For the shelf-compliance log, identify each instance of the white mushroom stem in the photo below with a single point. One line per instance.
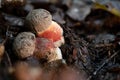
(58, 55)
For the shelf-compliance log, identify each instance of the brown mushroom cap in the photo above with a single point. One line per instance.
(24, 44)
(38, 20)
(2, 49)
(25, 71)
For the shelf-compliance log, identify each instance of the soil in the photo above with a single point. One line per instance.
(92, 36)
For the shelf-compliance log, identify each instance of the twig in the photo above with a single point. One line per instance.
(106, 61)
(101, 66)
(9, 61)
(103, 45)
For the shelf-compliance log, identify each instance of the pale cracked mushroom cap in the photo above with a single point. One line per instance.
(24, 44)
(38, 20)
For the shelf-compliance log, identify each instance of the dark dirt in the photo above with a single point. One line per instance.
(92, 36)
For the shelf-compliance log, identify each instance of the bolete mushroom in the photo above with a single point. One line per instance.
(40, 21)
(24, 44)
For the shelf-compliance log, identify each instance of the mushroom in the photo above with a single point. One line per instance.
(46, 50)
(2, 50)
(60, 71)
(25, 71)
(40, 21)
(24, 44)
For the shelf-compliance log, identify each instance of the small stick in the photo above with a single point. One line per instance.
(106, 61)
(9, 61)
(103, 45)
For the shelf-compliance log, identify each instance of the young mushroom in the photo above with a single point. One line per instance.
(40, 21)
(2, 50)
(46, 50)
(24, 44)
(60, 71)
(24, 71)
